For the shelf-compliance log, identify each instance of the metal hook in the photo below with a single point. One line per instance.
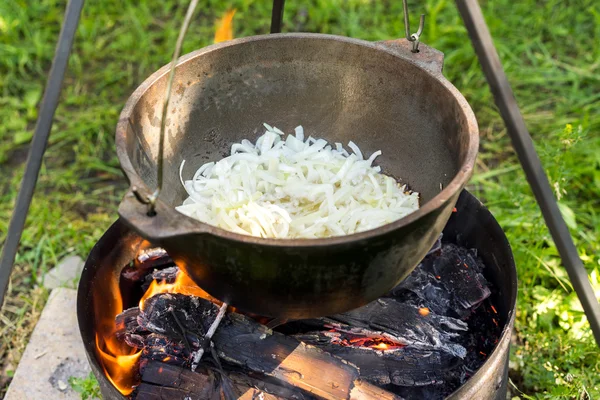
(414, 37)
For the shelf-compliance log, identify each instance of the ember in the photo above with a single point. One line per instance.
(376, 343)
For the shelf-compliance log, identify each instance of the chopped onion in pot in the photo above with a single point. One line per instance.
(295, 188)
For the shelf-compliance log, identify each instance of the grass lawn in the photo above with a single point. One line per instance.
(550, 50)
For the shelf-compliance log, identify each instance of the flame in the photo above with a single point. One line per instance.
(224, 30)
(117, 358)
(183, 284)
(118, 368)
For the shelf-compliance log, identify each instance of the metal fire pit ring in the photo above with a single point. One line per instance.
(472, 225)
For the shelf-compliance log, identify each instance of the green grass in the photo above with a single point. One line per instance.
(87, 387)
(551, 53)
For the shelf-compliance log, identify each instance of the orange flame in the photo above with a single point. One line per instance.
(119, 368)
(224, 29)
(117, 358)
(183, 284)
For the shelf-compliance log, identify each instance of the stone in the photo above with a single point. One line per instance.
(65, 274)
(54, 354)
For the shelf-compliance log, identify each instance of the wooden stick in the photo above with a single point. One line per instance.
(211, 331)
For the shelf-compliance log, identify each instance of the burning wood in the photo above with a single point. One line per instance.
(413, 338)
(171, 336)
(403, 324)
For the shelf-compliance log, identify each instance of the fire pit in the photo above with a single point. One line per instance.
(443, 332)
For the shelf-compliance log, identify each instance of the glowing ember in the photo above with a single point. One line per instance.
(424, 311)
(364, 342)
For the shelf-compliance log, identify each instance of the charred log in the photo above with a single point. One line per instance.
(161, 381)
(402, 323)
(240, 342)
(405, 366)
(243, 342)
(148, 260)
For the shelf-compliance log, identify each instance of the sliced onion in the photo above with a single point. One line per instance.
(295, 188)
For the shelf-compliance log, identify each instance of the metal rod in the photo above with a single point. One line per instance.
(277, 15)
(414, 38)
(523, 145)
(39, 142)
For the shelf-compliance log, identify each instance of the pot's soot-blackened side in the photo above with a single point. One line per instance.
(445, 329)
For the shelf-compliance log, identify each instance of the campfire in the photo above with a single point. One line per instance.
(161, 336)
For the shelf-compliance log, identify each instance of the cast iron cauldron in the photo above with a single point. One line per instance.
(379, 95)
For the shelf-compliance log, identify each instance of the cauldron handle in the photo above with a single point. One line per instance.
(165, 223)
(426, 57)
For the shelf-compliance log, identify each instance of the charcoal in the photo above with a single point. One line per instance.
(148, 260)
(159, 348)
(151, 254)
(165, 275)
(171, 314)
(449, 282)
(133, 274)
(465, 281)
(126, 322)
(169, 329)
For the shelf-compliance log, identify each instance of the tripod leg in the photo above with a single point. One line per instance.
(523, 145)
(39, 142)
